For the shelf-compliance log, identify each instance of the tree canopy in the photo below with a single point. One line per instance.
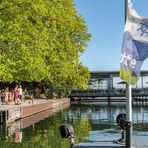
(42, 41)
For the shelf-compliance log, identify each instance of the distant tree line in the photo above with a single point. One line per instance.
(41, 41)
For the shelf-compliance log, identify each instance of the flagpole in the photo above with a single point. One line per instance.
(128, 102)
(128, 116)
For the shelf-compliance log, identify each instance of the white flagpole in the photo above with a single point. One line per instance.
(128, 101)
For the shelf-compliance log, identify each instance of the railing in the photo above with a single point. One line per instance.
(108, 95)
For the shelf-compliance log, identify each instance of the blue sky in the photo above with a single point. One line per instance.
(105, 22)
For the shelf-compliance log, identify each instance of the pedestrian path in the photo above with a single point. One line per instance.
(23, 103)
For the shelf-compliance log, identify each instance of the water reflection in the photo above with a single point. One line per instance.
(108, 114)
(89, 122)
(17, 136)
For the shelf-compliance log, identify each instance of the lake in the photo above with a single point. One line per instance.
(90, 122)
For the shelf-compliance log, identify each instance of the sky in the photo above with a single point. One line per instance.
(105, 22)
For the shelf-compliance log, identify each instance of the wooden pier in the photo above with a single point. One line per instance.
(138, 142)
(9, 128)
(11, 112)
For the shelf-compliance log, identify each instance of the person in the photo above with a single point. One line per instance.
(2, 96)
(6, 95)
(16, 136)
(20, 92)
(16, 98)
(54, 95)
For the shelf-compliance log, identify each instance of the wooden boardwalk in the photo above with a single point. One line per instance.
(9, 128)
(12, 112)
(101, 144)
(138, 142)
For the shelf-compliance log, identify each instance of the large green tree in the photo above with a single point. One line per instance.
(41, 41)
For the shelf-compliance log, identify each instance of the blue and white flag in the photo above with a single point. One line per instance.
(134, 46)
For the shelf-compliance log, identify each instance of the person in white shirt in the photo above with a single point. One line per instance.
(20, 92)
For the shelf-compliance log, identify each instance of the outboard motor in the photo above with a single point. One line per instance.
(121, 121)
(67, 131)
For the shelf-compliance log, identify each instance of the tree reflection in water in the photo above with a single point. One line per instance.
(84, 119)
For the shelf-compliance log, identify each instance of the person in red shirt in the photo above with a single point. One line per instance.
(16, 98)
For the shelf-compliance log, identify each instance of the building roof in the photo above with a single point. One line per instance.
(112, 73)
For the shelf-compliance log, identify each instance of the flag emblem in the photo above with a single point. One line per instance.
(143, 29)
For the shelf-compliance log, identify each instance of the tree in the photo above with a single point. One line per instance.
(41, 41)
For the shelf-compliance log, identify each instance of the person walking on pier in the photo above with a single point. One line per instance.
(20, 92)
(16, 98)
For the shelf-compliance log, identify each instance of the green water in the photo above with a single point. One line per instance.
(89, 122)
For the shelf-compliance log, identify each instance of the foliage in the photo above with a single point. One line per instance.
(45, 134)
(41, 41)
